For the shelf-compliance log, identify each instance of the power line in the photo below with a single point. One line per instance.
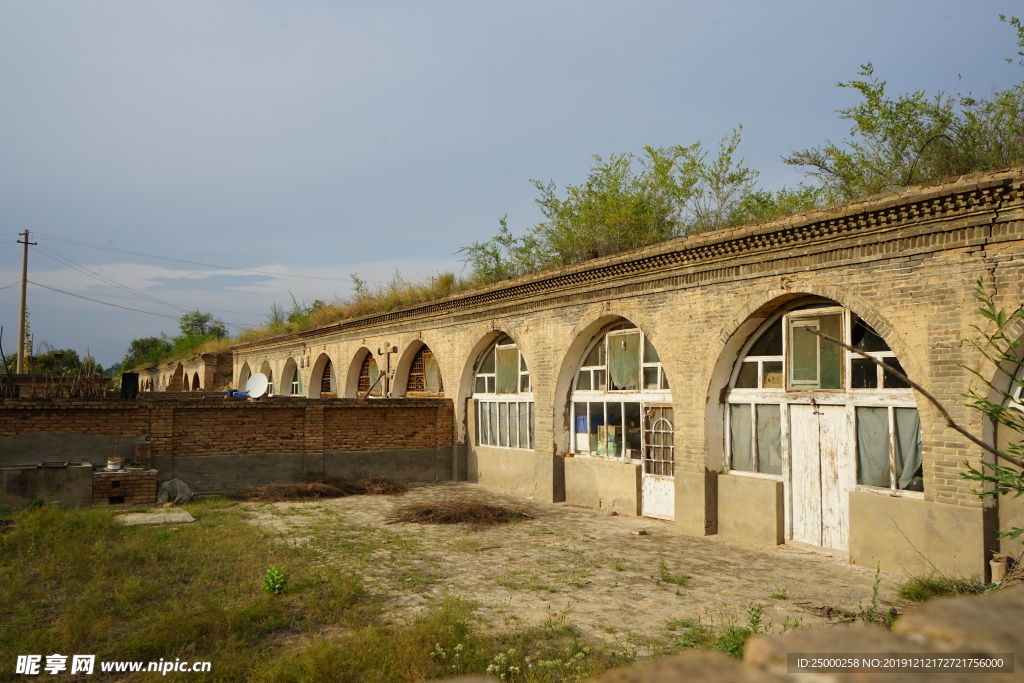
(49, 253)
(139, 295)
(193, 263)
(107, 303)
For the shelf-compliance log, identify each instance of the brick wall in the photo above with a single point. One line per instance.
(128, 487)
(369, 426)
(217, 426)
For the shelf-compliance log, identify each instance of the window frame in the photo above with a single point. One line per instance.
(493, 409)
(785, 396)
(599, 375)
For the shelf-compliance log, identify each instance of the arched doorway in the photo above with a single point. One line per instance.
(424, 375)
(323, 379)
(291, 379)
(370, 382)
(622, 410)
(822, 420)
(243, 376)
(266, 370)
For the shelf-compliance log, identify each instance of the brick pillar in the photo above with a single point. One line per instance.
(314, 427)
(161, 430)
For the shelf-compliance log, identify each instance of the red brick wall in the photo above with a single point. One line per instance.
(70, 416)
(370, 426)
(215, 426)
(127, 487)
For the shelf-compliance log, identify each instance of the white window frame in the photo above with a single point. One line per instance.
(494, 411)
(786, 396)
(645, 398)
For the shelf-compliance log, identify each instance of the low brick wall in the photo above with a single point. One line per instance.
(217, 444)
(127, 487)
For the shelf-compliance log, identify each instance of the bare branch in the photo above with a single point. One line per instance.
(924, 392)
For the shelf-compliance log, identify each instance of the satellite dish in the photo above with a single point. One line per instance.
(257, 385)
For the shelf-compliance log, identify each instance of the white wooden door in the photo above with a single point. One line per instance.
(657, 483)
(658, 496)
(822, 473)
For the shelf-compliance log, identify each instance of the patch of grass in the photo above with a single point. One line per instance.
(676, 624)
(665, 576)
(618, 564)
(275, 581)
(74, 580)
(690, 634)
(338, 487)
(521, 581)
(922, 588)
(779, 590)
(475, 513)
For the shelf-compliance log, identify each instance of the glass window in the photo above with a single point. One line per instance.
(813, 362)
(769, 439)
(755, 433)
(740, 425)
(369, 373)
(888, 446)
(624, 361)
(502, 390)
(605, 421)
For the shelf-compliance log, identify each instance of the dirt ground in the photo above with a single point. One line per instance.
(575, 566)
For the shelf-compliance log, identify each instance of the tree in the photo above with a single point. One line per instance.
(146, 352)
(71, 362)
(199, 324)
(633, 200)
(1004, 475)
(916, 137)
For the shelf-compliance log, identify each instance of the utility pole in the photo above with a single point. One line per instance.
(24, 285)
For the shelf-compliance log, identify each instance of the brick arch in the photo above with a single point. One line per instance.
(400, 386)
(321, 366)
(177, 380)
(724, 347)
(583, 333)
(999, 379)
(354, 370)
(268, 370)
(291, 368)
(243, 376)
(763, 304)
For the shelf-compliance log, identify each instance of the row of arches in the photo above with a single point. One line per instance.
(172, 381)
(784, 404)
(367, 375)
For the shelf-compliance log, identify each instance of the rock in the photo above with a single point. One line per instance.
(139, 518)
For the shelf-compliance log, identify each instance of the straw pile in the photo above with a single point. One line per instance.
(337, 487)
(475, 513)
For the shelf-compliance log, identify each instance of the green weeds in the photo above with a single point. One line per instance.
(275, 581)
(665, 576)
(921, 588)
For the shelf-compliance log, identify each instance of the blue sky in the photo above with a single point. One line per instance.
(321, 139)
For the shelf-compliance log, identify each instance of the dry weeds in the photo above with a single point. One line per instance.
(336, 487)
(474, 512)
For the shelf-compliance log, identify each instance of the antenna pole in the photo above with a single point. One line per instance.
(24, 312)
